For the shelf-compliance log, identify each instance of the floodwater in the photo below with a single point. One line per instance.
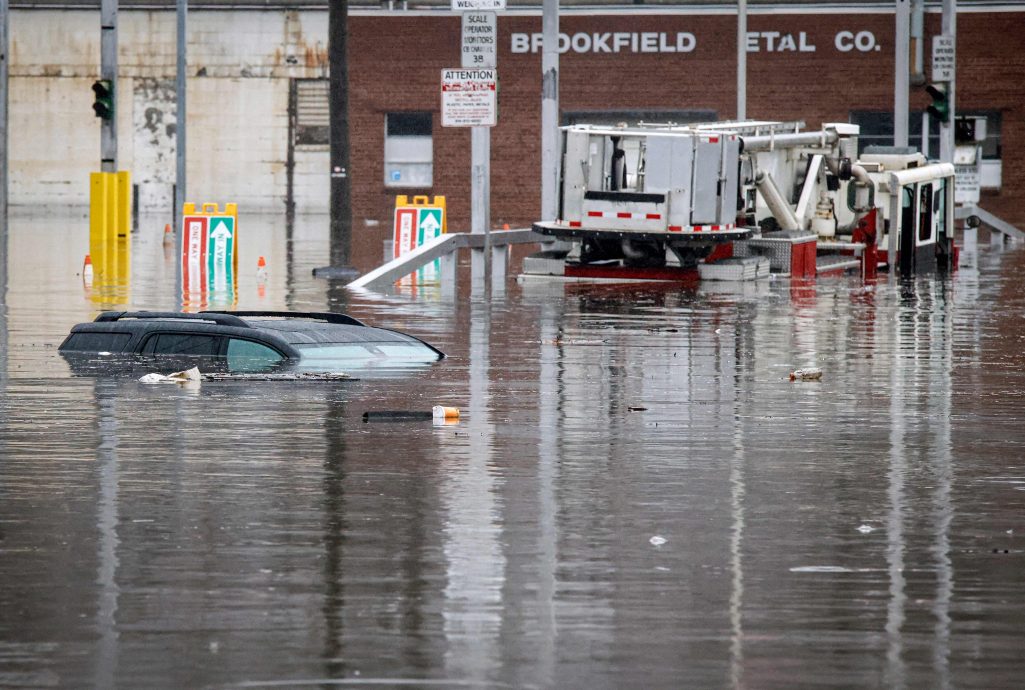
(636, 495)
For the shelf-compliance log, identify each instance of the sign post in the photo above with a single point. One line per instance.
(469, 98)
(945, 48)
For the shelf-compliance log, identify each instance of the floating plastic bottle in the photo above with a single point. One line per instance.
(442, 413)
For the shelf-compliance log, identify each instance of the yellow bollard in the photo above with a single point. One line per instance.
(99, 221)
(122, 228)
(110, 226)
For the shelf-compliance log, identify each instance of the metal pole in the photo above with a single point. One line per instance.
(925, 135)
(947, 128)
(741, 59)
(901, 70)
(550, 110)
(182, 10)
(480, 204)
(338, 112)
(917, 42)
(4, 29)
(108, 71)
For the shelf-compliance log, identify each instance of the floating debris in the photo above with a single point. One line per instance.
(397, 415)
(636, 408)
(181, 377)
(810, 374)
(445, 414)
(657, 540)
(297, 376)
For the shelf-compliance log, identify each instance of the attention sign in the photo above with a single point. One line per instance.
(469, 97)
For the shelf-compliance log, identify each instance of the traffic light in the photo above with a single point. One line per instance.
(940, 108)
(964, 130)
(103, 106)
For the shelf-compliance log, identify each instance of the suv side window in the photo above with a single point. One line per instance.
(245, 355)
(97, 342)
(182, 344)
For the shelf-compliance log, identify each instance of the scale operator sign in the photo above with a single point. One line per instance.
(469, 97)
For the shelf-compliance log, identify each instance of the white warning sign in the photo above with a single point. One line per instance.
(469, 97)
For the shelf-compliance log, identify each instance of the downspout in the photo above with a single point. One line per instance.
(917, 41)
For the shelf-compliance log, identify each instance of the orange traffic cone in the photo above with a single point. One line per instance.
(168, 235)
(87, 269)
(261, 269)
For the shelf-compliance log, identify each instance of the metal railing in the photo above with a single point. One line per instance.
(446, 247)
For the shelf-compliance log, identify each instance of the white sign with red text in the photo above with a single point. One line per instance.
(469, 97)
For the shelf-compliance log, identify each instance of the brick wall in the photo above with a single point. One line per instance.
(396, 61)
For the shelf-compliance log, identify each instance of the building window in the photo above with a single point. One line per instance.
(877, 130)
(310, 114)
(408, 150)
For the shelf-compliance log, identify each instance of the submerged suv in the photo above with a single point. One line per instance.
(244, 341)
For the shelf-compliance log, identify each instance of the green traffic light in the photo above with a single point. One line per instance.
(940, 108)
(103, 105)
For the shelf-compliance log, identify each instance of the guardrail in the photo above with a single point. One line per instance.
(446, 248)
(990, 221)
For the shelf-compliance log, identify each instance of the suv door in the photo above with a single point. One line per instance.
(185, 350)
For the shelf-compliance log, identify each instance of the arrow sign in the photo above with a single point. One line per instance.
(430, 224)
(220, 254)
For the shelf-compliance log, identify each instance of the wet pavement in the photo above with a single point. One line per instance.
(636, 495)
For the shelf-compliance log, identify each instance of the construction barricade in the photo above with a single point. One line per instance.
(209, 257)
(417, 222)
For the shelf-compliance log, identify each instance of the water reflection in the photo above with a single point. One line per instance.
(335, 528)
(106, 522)
(472, 531)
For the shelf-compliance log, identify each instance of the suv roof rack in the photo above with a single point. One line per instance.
(220, 318)
(329, 317)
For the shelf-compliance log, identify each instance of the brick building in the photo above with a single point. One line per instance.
(250, 67)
